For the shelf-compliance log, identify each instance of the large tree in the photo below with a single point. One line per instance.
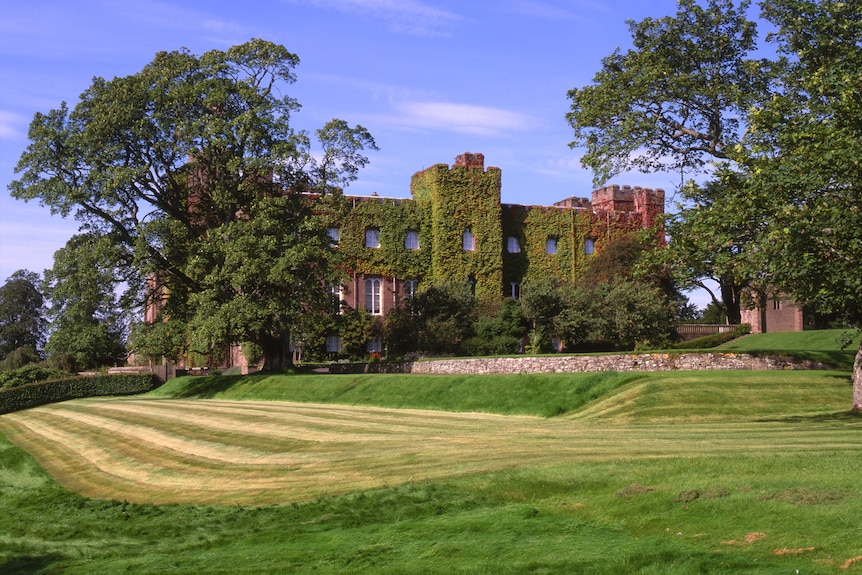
(708, 237)
(805, 177)
(22, 314)
(191, 164)
(674, 102)
(88, 327)
(677, 99)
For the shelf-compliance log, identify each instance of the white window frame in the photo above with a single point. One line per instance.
(374, 295)
(513, 245)
(337, 292)
(409, 288)
(514, 290)
(411, 240)
(372, 238)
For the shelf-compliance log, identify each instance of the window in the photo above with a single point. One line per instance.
(333, 343)
(410, 288)
(375, 345)
(373, 293)
(336, 292)
(514, 290)
(776, 303)
(551, 246)
(411, 240)
(512, 245)
(334, 236)
(469, 241)
(372, 238)
(589, 246)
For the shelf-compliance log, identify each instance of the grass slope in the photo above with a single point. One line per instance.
(532, 394)
(677, 473)
(836, 347)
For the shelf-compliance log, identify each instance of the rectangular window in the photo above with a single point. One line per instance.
(411, 240)
(512, 245)
(514, 290)
(589, 246)
(410, 288)
(375, 345)
(469, 241)
(333, 343)
(372, 238)
(336, 291)
(334, 236)
(373, 296)
(551, 246)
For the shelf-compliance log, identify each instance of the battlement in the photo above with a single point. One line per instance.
(470, 160)
(575, 203)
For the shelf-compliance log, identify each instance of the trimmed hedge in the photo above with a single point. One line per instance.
(715, 340)
(35, 394)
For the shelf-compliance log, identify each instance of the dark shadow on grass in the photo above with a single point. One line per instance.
(837, 418)
(30, 564)
(207, 387)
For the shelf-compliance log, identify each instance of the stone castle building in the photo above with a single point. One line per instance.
(456, 228)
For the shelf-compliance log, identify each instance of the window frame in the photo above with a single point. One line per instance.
(372, 238)
(374, 295)
(468, 240)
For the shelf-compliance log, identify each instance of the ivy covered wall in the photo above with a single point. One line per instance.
(455, 200)
(449, 200)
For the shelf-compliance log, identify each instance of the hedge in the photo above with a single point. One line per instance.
(35, 394)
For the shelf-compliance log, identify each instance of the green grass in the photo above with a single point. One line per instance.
(835, 347)
(667, 473)
(531, 394)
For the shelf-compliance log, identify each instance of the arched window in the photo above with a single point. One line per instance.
(469, 241)
(373, 296)
(512, 245)
(410, 288)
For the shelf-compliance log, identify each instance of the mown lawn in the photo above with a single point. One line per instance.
(743, 472)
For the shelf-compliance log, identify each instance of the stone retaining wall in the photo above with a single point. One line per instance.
(582, 364)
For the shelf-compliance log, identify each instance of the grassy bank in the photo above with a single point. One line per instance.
(744, 472)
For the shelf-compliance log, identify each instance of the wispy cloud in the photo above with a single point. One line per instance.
(12, 126)
(459, 118)
(404, 16)
(580, 10)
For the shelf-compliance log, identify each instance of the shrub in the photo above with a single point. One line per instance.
(715, 340)
(30, 374)
(35, 394)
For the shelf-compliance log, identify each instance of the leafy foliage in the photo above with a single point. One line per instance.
(193, 170)
(22, 313)
(677, 99)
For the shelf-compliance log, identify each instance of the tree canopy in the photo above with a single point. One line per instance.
(193, 167)
(22, 314)
(783, 211)
(677, 99)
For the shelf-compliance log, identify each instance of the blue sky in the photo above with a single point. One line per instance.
(430, 79)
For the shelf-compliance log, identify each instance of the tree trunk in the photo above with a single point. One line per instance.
(857, 380)
(276, 352)
(730, 297)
